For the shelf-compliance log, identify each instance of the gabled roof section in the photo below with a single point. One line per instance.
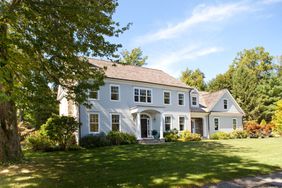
(138, 74)
(207, 101)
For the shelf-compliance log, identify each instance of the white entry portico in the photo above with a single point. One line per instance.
(148, 118)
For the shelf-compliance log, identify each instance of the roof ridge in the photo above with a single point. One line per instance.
(113, 62)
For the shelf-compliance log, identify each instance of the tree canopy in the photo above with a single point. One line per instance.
(193, 78)
(135, 57)
(45, 39)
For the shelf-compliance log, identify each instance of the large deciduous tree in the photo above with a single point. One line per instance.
(135, 57)
(44, 39)
(194, 79)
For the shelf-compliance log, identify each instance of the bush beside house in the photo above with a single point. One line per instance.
(56, 134)
(112, 138)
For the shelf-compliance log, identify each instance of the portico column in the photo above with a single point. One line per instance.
(161, 126)
(138, 126)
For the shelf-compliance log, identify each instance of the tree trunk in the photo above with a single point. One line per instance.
(10, 149)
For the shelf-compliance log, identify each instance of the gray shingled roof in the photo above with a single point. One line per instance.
(139, 74)
(207, 100)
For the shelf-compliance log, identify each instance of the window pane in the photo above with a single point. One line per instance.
(166, 98)
(115, 127)
(216, 124)
(167, 123)
(94, 127)
(143, 92)
(94, 122)
(149, 99)
(114, 93)
(181, 123)
(194, 101)
(149, 93)
(93, 94)
(234, 123)
(225, 104)
(114, 96)
(180, 99)
(136, 98)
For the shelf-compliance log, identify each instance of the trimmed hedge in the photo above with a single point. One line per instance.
(220, 136)
(112, 138)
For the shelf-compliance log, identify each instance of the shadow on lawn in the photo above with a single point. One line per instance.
(173, 164)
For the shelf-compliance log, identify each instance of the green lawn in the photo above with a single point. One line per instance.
(167, 165)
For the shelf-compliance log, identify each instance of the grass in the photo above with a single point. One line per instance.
(168, 165)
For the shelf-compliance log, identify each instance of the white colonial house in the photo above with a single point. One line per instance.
(139, 100)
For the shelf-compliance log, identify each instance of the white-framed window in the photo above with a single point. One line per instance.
(114, 90)
(225, 104)
(115, 121)
(181, 99)
(94, 121)
(181, 122)
(234, 123)
(216, 123)
(94, 95)
(168, 122)
(167, 97)
(142, 95)
(194, 101)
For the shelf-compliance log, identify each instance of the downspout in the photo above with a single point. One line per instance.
(209, 125)
(79, 128)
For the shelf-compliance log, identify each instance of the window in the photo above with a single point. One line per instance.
(225, 102)
(181, 123)
(216, 123)
(234, 123)
(115, 122)
(166, 97)
(167, 123)
(93, 94)
(94, 122)
(114, 93)
(181, 99)
(143, 95)
(194, 101)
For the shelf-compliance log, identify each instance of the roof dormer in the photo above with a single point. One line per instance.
(194, 98)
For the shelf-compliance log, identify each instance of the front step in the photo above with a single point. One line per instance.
(151, 141)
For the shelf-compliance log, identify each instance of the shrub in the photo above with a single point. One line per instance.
(171, 136)
(91, 141)
(266, 130)
(120, 138)
(238, 134)
(188, 136)
(253, 129)
(220, 136)
(39, 142)
(61, 129)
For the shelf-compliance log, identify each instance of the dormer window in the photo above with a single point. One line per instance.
(225, 104)
(194, 101)
(194, 98)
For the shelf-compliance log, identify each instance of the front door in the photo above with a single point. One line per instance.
(144, 128)
(197, 126)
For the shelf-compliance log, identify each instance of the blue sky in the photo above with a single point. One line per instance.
(176, 34)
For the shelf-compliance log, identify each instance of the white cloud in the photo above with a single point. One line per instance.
(168, 61)
(201, 14)
(271, 1)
